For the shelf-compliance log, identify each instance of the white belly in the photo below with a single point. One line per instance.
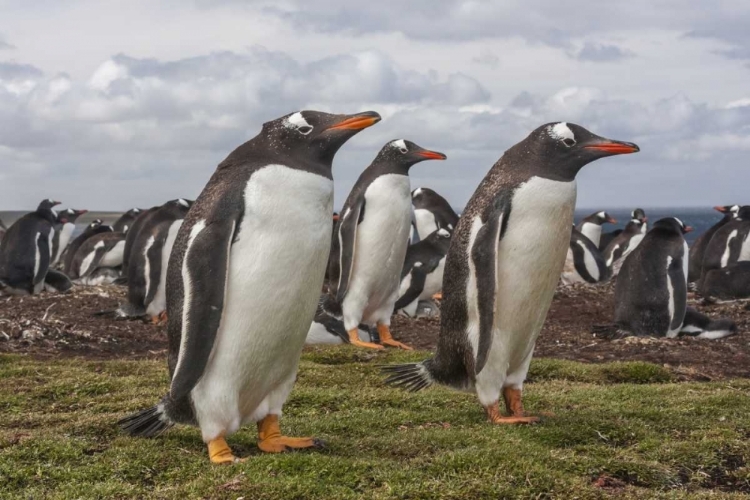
(65, 233)
(380, 248)
(593, 232)
(159, 303)
(113, 258)
(275, 275)
(426, 223)
(434, 281)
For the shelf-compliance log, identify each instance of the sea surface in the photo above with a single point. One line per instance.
(700, 218)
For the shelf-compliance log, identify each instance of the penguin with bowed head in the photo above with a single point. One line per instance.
(591, 226)
(244, 281)
(698, 249)
(651, 291)
(729, 244)
(370, 244)
(98, 260)
(154, 238)
(26, 251)
(584, 262)
(422, 274)
(125, 222)
(503, 265)
(95, 227)
(432, 212)
(64, 229)
(625, 242)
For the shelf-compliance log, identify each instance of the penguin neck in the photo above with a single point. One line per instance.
(48, 215)
(538, 162)
(259, 150)
(389, 167)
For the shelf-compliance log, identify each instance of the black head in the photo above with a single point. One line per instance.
(729, 211)
(672, 224)
(743, 213)
(639, 214)
(69, 215)
(181, 203)
(564, 148)
(314, 133)
(134, 212)
(47, 205)
(600, 218)
(402, 154)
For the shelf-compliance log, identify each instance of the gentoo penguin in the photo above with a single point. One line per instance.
(95, 227)
(422, 274)
(624, 243)
(651, 291)
(64, 228)
(727, 283)
(698, 249)
(591, 226)
(25, 252)
(3, 228)
(147, 265)
(584, 262)
(607, 238)
(432, 212)
(729, 244)
(371, 239)
(328, 329)
(505, 259)
(244, 281)
(98, 259)
(125, 222)
(132, 235)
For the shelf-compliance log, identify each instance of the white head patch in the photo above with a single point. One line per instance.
(298, 122)
(400, 145)
(443, 232)
(735, 209)
(183, 203)
(602, 215)
(417, 192)
(679, 222)
(560, 131)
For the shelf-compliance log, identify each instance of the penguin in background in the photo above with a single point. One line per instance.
(244, 280)
(328, 328)
(26, 251)
(651, 291)
(65, 226)
(125, 222)
(98, 260)
(422, 274)
(591, 226)
(727, 284)
(698, 250)
(625, 242)
(153, 238)
(66, 259)
(503, 265)
(3, 229)
(371, 239)
(729, 244)
(606, 238)
(431, 212)
(131, 236)
(584, 262)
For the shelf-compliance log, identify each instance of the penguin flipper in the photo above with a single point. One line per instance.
(418, 278)
(94, 264)
(45, 257)
(204, 292)
(347, 238)
(154, 257)
(678, 281)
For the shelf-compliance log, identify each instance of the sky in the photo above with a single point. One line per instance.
(108, 105)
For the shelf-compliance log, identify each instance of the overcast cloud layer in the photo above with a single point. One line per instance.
(108, 107)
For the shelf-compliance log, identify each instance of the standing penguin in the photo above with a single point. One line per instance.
(95, 227)
(504, 262)
(584, 262)
(422, 274)
(651, 291)
(244, 281)
(432, 212)
(125, 222)
(698, 250)
(147, 264)
(591, 226)
(371, 240)
(26, 251)
(64, 228)
(624, 243)
(637, 214)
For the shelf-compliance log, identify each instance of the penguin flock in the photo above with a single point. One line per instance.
(256, 267)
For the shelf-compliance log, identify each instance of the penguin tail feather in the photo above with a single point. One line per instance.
(148, 423)
(412, 377)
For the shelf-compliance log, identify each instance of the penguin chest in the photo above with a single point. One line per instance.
(434, 281)
(530, 259)
(65, 234)
(274, 277)
(381, 240)
(426, 223)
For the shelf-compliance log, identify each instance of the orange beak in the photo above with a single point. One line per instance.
(720, 209)
(615, 148)
(432, 155)
(688, 229)
(357, 122)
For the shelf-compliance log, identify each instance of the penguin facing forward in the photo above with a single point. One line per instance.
(624, 243)
(432, 212)
(591, 226)
(729, 244)
(26, 251)
(422, 274)
(125, 222)
(64, 228)
(584, 262)
(98, 259)
(698, 250)
(95, 227)
(146, 276)
(651, 291)
(503, 265)
(371, 239)
(244, 281)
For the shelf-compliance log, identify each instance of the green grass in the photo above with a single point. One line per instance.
(628, 423)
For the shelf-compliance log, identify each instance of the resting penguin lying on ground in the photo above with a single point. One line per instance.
(244, 281)
(98, 259)
(503, 265)
(729, 244)
(66, 259)
(698, 250)
(651, 291)
(584, 262)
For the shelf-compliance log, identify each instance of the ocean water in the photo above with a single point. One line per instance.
(700, 218)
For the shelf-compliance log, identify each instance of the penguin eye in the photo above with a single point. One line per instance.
(569, 142)
(403, 150)
(305, 129)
